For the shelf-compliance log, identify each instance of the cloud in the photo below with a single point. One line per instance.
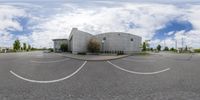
(170, 33)
(142, 19)
(147, 18)
(8, 19)
(192, 37)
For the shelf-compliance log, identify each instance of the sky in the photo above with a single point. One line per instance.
(163, 22)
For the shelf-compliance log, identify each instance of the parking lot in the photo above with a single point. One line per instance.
(50, 76)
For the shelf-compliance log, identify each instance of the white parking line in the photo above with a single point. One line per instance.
(51, 81)
(50, 61)
(133, 72)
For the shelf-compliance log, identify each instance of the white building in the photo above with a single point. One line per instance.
(110, 42)
(119, 41)
(78, 41)
(58, 43)
(4, 49)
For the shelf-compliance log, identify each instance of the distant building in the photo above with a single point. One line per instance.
(58, 43)
(189, 49)
(4, 49)
(110, 42)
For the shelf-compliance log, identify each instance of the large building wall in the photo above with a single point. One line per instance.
(118, 41)
(114, 41)
(58, 42)
(78, 41)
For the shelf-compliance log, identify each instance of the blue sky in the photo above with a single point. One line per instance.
(37, 22)
(172, 26)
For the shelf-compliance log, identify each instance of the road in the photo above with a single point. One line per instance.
(49, 76)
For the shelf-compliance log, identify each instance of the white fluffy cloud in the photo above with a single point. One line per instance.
(139, 19)
(136, 18)
(8, 15)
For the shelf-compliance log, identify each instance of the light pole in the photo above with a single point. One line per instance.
(102, 42)
(182, 44)
(176, 45)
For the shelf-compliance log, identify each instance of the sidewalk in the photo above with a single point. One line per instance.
(93, 57)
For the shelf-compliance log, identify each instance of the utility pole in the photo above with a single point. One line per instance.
(176, 44)
(164, 44)
(182, 44)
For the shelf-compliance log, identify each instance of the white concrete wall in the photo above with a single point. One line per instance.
(118, 41)
(78, 41)
(115, 41)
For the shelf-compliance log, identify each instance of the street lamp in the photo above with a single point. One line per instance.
(102, 42)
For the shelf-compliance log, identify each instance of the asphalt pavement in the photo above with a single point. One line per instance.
(50, 76)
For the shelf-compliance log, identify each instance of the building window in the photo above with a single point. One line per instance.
(104, 38)
(131, 39)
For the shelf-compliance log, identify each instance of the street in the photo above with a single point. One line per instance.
(50, 76)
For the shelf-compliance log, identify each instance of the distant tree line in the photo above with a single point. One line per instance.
(145, 47)
(17, 46)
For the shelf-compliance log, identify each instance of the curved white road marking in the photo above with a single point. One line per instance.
(50, 61)
(133, 72)
(51, 81)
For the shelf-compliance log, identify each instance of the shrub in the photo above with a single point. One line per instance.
(197, 50)
(120, 53)
(166, 49)
(51, 49)
(93, 45)
(172, 49)
(81, 53)
(64, 47)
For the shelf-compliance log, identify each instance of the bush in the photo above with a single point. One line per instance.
(94, 45)
(81, 53)
(120, 53)
(51, 49)
(197, 50)
(166, 49)
(64, 47)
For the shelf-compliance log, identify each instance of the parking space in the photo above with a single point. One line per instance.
(49, 76)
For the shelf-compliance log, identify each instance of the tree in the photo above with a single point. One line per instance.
(159, 47)
(16, 45)
(93, 45)
(29, 47)
(144, 46)
(186, 48)
(172, 49)
(64, 47)
(166, 49)
(151, 49)
(24, 46)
